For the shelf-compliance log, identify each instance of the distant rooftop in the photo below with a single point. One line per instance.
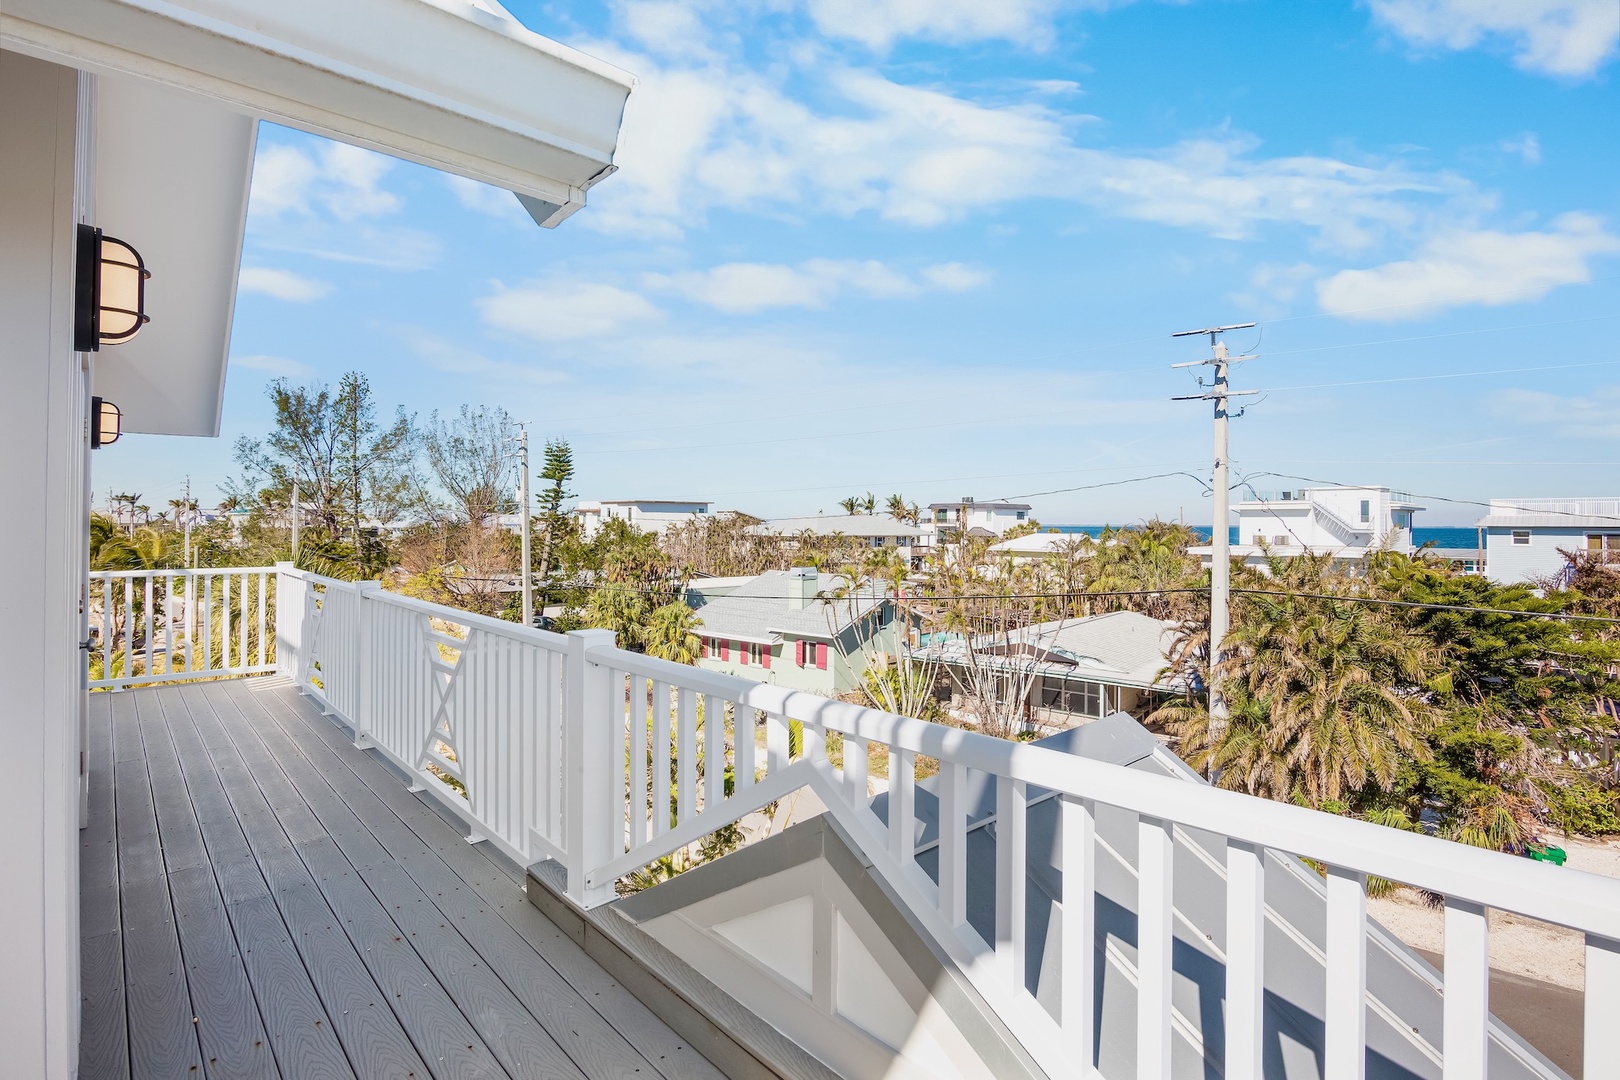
(761, 610)
(958, 503)
(844, 524)
(1578, 513)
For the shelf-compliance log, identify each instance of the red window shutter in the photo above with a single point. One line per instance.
(742, 652)
(704, 650)
(725, 648)
(821, 657)
(798, 653)
(765, 656)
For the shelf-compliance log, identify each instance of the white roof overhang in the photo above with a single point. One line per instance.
(456, 86)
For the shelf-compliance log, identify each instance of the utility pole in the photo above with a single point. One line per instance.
(525, 525)
(295, 521)
(1220, 570)
(187, 510)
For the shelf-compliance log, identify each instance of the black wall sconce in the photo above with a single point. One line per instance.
(109, 301)
(105, 419)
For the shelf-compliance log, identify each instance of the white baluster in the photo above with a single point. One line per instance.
(1467, 990)
(953, 843)
(902, 806)
(1245, 957)
(856, 751)
(1011, 870)
(743, 726)
(686, 754)
(638, 761)
(1077, 835)
(661, 763)
(1345, 1054)
(1155, 922)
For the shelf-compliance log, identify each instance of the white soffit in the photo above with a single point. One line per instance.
(172, 176)
(451, 84)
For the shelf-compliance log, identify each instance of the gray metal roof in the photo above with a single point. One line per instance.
(763, 609)
(845, 524)
(1548, 521)
(1124, 648)
(978, 505)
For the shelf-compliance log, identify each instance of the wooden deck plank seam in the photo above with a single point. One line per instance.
(130, 999)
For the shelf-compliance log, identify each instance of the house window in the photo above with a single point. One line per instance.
(1521, 536)
(877, 541)
(1366, 509)
(1078, 699)
(1605, 546)
(1279, 541)
(1020, 515)
(939, 515)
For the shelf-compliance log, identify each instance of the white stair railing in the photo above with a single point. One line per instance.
(565, 747)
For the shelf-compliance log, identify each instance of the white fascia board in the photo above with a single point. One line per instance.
(439, 82)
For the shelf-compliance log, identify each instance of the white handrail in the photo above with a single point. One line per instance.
(567, 747)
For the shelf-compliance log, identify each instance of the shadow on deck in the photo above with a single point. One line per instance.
(261, 899)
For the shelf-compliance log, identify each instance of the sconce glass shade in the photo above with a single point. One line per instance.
(110, 291)
(105, 419)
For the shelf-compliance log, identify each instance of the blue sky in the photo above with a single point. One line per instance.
(938, 247)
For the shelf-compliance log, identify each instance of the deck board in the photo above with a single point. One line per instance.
(261, 899)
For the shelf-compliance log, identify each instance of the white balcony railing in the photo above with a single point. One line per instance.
(150, 626)
(565, 747)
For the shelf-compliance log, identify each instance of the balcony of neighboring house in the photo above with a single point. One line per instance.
(337, 831)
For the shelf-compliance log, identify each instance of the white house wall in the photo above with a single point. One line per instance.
(43, 445)
(1509, 563)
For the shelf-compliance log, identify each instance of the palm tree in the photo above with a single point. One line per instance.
(850, 505)
(897, 507)
(869, 504)
(670, 633)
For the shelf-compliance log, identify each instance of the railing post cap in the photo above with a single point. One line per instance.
(593, 639)
(286, 566)
(368, 585)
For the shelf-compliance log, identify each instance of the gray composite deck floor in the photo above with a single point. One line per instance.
(261, 899)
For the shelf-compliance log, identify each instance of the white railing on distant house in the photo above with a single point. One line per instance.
(566, 747)
(152, 626)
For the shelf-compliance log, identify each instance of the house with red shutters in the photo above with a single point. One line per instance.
(794, 628)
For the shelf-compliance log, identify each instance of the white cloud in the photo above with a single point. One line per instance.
(278, 366)
(1478, 267)
(343, 180)
(390, 248)
(742, 288)
(1272, 288)
(713, 135)
(1571, 38)
(560, 310)
(878, 23)
(1592, 415)
(281, 284)
(955, 276)
(1526, 147)
(455, 359)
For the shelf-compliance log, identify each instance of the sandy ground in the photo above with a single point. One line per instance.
(1525, 947)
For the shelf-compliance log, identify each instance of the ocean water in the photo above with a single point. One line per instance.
(1443, 536)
